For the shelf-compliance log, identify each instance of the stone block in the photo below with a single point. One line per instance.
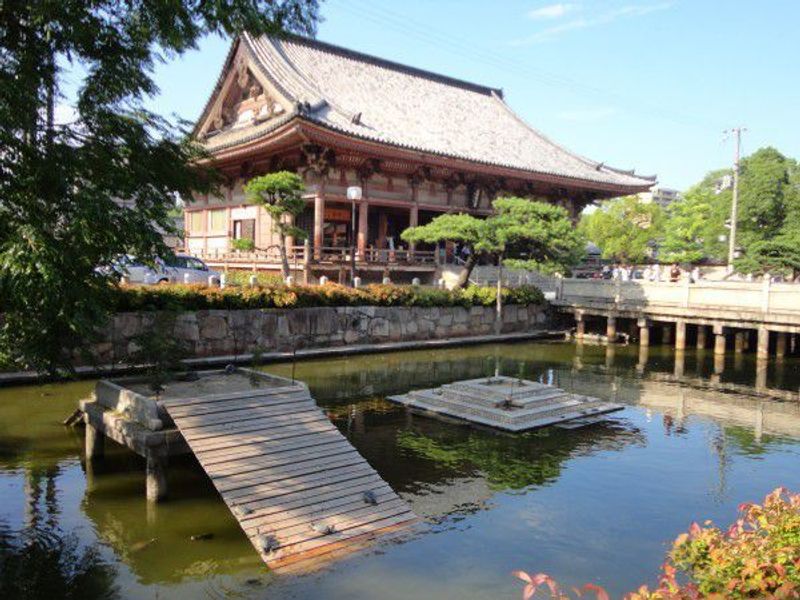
(213, 326)
(379, 328)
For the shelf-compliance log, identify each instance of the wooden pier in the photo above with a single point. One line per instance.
(296, 486)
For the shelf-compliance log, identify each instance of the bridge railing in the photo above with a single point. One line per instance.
(733, 295)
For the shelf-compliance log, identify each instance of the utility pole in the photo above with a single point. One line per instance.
(737, 133)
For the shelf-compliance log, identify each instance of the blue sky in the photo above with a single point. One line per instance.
(649, 84)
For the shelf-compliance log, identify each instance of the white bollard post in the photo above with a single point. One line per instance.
(187, 278)
(415, 281)
(125, 280)
(253, 281)
(386, 281)
(213, 281)
(223, 280)
(356, 282)
(442, 283)
(289, 280)
(323, 280)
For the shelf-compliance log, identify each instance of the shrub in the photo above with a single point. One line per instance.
(242, 278)
(756, 557)
(198, 297)
(243, 244)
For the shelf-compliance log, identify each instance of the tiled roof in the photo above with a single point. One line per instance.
(379, 100)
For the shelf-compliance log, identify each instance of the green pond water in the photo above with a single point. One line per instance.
(599, 504)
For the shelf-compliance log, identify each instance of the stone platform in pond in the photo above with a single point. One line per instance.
(508, 403)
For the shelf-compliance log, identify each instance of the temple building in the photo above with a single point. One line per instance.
(418, 144)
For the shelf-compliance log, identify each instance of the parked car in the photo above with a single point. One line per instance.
(178, 269)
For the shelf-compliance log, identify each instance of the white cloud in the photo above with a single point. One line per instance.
(585, 115)
(64, 114)
(596, 20)
(551, 11)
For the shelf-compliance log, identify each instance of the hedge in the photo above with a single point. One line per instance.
(129, 298)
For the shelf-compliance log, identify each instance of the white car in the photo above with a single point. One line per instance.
(180, 269)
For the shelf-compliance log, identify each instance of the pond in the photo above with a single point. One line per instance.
(599, 504)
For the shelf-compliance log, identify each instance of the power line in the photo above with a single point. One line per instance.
(467, 48)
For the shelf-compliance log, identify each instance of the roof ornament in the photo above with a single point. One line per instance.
(600, 166)
(356, 119)
(318, 159)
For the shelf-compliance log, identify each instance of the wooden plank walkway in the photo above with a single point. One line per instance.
(297, 487)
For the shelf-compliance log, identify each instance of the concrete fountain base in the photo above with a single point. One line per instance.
(507, 403)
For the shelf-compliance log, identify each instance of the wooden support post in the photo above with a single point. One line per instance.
(413, 221)
(680, 335)
(644, 332)
(95, 442)
(762, 350)
(702, 332)
(780, 344)
(666, 334)
(156, 477)
(738, 342)
(719, 340)
(363, 231)
(319, 223)
(611, 329)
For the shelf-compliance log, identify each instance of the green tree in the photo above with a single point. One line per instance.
(624, 228)
(63, 179)
(695, 227)
(281, 195)
(534, 235)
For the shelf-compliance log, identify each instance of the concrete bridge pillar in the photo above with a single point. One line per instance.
(644, 332)
(580, 326)
(95, 442)
(702, 332)
(719, 340)
(666, 334)
(680, 362)
(680, 335)
(780, 344)
(762, 350)
(761, 374)
(738, 342)
(611, 329)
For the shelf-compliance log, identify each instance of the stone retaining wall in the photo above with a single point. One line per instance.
(209, 333)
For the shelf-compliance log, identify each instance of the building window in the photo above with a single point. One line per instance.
(196, 221)
(218, 220)
(244, 229)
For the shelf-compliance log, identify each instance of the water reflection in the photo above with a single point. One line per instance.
(698, 437)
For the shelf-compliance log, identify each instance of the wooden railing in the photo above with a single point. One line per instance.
(325, 255)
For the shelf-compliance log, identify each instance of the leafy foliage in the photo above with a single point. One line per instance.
(758, 556)
(694, 226)
(624, 229)
(160, 350)
(196, 297)
(532, 235)
(243, 244)
(77, 192)
(281, 195)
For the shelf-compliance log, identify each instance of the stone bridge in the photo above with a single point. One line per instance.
(741, 315)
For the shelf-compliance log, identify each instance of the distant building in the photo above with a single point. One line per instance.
(661, 196)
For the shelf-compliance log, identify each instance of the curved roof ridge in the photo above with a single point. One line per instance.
(390, 64)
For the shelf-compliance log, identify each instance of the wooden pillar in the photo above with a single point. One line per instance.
(738, 342)
(611, 329)
(680, 335)
(762, 350)
(702, 332)
(319, 222)
(413, 221)
(719, 340)
(363, 229)
(156, 477)
(780, 344)
(95, 442)
(580, 326)
(644, 332)
(666, 334)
